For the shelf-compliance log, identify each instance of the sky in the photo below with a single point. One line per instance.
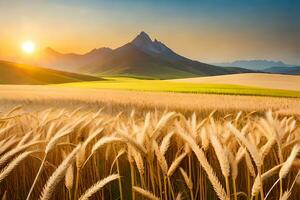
(206, 30)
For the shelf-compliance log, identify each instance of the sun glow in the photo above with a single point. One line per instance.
(28, 47)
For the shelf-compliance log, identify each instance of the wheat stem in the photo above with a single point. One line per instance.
(76, 183)
(36, 177)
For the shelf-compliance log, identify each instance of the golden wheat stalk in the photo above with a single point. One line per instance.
(97, 186)
(258, 180)
(161, 123)
(251, 148)
(174, 165)
(289, 162)
(69, 178)
(145, 193)
(14, 163)
(138, 161)
(160, 159)
(51, 144)
(58, 175)
(132, 141)
(179, 196)
(186, 178)
(5, 157)
(165, 143)
(25, 138)
(206, 166)
(105, 140)
(8, 144)
(221, 155)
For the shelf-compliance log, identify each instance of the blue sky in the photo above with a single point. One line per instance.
(210, 31)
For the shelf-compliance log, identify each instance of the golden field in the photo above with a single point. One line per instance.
(114, 101)
(77, 154)
(275, 81)
(72, 143)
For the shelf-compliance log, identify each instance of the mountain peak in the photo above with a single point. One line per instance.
(51, 51)
(144, 34)
(146, 44)
(142, 38)
(154, 47)
(97, 50)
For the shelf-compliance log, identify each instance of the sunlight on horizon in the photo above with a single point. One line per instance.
(28, 47)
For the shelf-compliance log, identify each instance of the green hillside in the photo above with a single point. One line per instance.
(14, 73)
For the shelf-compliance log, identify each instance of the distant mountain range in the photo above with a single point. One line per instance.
(15, 73)
(254, 64)
(141, 57)
(284, 70)
(70, 61)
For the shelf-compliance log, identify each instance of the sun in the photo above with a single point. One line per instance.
(28, 47)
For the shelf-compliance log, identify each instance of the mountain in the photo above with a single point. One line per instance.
(254, 64)
(70, 61)
(140, 57)
(15, 73)
(155, 48)
(284, 70)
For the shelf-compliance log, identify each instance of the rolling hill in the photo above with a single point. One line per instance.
(140, 57)
(14, 73)
(274, 81)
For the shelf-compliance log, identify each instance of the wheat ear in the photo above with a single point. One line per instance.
(4, 158)
(257, 182)
(251, 148)
(162, 122)
(96, 187)
(51, 144)
(69, 178)
(15, 162)
(165, 143)
(160, 159)
(286, 195)
(186, 178)
(175, 164)
(145, 193)
(206, 166)
(55, 139)
(138, 161)
(58, 175)
(105, 140)
(179, 196)
(131, 141)
(289, 162)
(221, 155)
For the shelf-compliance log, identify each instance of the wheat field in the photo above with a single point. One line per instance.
(263, 80)
(42, 97)
(78, 154)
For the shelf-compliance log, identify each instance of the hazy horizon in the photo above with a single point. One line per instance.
(208, 31)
